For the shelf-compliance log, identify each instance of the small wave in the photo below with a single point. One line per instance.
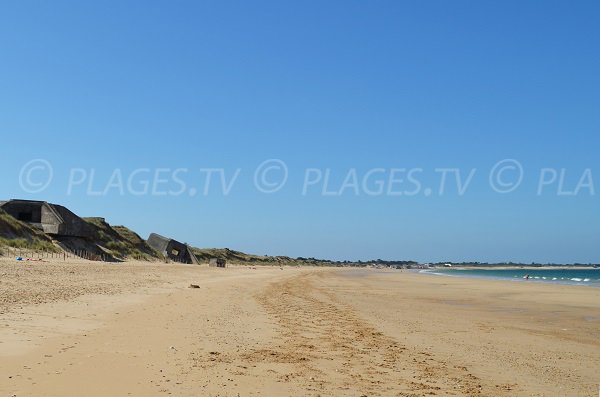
(586, 280)
(436, 273)
(576, 279)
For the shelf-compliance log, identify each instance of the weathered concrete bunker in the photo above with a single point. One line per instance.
(52, 219)
(172, 249)
(217, 262)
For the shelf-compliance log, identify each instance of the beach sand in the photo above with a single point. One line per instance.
(84, 328)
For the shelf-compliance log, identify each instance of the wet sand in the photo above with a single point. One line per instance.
(137, 329)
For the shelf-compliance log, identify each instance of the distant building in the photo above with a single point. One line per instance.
(217, 262)
(52, 219)
(172, 249)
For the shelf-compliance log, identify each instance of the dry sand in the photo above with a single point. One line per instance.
(79, 328)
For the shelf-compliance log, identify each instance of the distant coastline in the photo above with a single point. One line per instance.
(502, 266)
(571, 275)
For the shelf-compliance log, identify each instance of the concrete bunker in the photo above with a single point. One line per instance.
(172, 249)
(50, 218)
(217, 262)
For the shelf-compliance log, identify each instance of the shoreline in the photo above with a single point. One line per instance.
(531, 267)
(574, 281)
(292, 332)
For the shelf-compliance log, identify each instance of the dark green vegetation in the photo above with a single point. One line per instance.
(237, 257)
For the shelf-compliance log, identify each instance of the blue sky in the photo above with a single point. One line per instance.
(322, 85)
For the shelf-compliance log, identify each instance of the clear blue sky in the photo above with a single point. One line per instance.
(340, 85)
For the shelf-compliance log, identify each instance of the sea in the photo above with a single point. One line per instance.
(588, 277)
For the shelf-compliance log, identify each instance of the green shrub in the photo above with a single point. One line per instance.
(34, 245)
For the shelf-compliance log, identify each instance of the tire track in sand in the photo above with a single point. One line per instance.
(335, 352)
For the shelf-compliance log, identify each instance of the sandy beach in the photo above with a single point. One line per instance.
(84, 328)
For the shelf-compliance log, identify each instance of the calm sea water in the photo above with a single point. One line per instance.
(564, 276)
